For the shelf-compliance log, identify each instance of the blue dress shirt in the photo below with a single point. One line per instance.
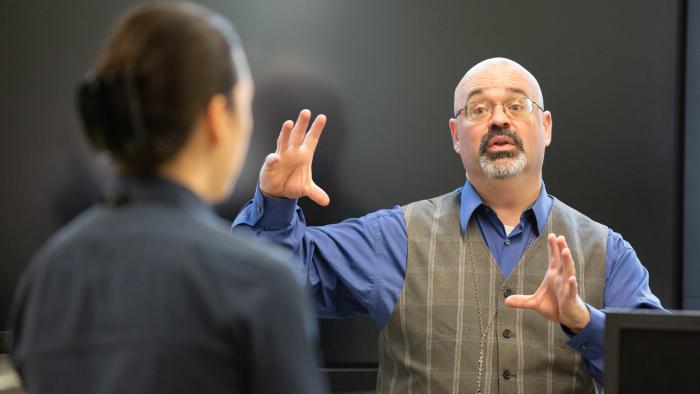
(358, 266)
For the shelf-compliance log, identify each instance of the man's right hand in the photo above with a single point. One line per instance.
(287, 172)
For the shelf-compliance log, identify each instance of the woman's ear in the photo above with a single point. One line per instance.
(218, 117)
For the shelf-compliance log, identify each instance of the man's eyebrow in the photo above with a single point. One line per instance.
(518, 90)
(474, 93)
(479, 91)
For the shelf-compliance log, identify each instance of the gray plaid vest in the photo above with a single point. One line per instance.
(431, 343)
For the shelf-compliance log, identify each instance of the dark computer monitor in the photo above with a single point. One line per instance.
(649, 351)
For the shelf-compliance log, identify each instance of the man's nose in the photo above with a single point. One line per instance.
(499, 117)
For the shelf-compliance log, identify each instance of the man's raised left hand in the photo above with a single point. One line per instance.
(557, 297)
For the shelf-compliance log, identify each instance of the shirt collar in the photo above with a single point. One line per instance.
(127, 189)
(470, 201)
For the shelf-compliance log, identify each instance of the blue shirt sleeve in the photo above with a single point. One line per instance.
(353, 267)
(626, 286)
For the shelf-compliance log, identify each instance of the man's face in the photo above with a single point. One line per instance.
(502, 146)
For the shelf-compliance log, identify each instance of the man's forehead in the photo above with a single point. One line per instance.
(494, 81)
(494, 77)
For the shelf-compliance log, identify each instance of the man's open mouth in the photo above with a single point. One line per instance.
(500, 143)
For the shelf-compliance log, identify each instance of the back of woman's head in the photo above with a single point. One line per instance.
(154, 78)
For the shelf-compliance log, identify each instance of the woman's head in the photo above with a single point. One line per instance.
(168, 72)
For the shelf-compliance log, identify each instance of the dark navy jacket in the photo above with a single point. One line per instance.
(152, 294)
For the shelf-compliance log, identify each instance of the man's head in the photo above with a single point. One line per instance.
(500, 129)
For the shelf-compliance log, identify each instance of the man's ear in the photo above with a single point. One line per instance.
(455, 134)
(217, 116)
(547, 124)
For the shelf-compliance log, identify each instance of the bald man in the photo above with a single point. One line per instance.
(496, 287)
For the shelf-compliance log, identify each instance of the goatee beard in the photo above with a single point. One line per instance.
(503, 164)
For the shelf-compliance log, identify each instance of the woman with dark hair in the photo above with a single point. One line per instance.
(148, 292)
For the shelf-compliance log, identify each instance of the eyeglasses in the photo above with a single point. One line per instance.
(483, 110)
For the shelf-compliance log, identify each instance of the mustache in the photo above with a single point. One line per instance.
(496, 131)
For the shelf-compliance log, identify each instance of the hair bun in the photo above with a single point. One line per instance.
(111, 111)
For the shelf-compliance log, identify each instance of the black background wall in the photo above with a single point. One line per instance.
(612, 75)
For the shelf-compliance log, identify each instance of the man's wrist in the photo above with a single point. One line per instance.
(578, 326)
(265, 193)
(274, 212)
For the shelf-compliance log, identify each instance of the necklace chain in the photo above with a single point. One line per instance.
(483, 333)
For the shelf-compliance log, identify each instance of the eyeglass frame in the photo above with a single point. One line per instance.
(494, 107)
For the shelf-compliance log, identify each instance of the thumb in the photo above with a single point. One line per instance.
(520, 301)
(318, 195)
(573, 287)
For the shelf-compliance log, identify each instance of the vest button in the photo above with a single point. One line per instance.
(507, 292)
(507, 333)
(506, 374)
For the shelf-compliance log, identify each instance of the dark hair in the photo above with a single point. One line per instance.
(160, 67)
